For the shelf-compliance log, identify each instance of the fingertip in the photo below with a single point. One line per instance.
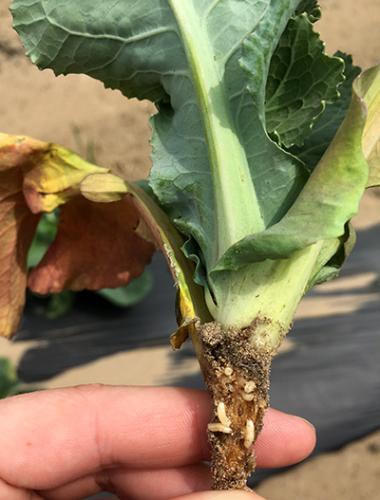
(285, 440)
(310, 434)
(223, 495)
(306, 434)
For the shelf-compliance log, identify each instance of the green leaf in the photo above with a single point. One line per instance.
(367, 87)
(301, 80)
(45, 234)
(8, 378)
(213, 160)
(328, 123)
(332, 256)
(58, 305)
(311, 7)
(10, 385)
(329, 199)
(131, 294)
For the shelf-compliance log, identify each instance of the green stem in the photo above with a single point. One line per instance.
(233, 187)
(265, 294)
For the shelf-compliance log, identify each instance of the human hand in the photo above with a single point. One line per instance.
(138, 443)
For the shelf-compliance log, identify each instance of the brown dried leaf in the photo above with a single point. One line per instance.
(17, 227)
(96, 247)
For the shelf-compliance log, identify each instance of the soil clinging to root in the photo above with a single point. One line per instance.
(237, 376)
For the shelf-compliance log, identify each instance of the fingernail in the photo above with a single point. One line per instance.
(308, 423)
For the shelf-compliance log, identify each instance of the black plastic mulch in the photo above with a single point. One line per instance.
(332, 377)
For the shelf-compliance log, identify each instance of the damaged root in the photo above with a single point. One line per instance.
(237, 375)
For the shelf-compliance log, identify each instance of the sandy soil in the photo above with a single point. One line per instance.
(352, 473)
(80, 113)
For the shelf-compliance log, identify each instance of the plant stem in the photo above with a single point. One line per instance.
(267, 294)
(233, 187)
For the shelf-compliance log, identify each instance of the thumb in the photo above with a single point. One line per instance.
(222, 495)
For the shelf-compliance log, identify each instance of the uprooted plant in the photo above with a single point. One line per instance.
(261, 154)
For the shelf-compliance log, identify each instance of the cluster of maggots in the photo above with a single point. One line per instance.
(224, 424)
